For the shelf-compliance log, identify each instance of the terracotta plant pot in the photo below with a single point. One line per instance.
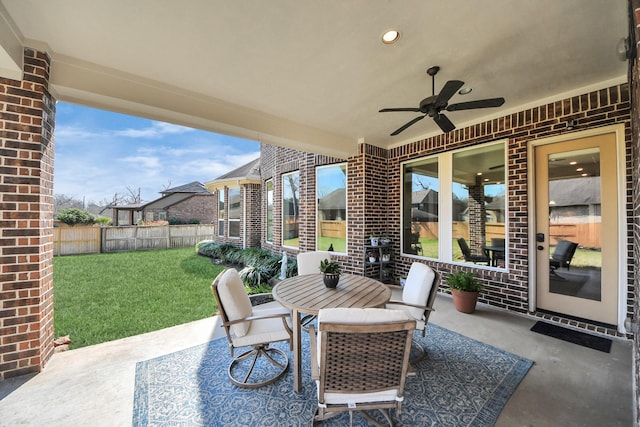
(465, 301)
(331, 280)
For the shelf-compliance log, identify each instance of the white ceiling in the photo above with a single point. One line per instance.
(313, 74)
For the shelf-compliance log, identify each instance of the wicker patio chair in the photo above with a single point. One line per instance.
(248, 326)
(360, 361)
(417, 298)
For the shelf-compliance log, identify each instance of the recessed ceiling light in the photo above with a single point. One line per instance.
(573, 163)
(579, 170)
(465, 90)
(585, 174)
(390, 37)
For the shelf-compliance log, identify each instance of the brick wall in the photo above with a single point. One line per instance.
(198, 207)
(374, 189)
(635, 224)
(276, 161)
(509, 290)
(27, 116)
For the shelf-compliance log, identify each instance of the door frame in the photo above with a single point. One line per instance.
(618, 131)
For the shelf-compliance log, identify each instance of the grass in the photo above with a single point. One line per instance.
(103, 297)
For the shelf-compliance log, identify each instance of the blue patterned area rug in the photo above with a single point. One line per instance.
(460, 382)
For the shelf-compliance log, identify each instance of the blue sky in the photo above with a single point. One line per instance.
(100, 153)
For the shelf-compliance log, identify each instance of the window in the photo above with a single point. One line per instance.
(475, 210)
(420, 208)
(290, 209)
(269, 211)
(221, 212)
(235, 205)
(331, 208)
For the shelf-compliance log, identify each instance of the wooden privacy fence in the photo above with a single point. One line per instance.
(85, 240)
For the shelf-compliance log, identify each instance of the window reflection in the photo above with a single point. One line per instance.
(331, 185)
(420, 210)
(290, 209)
(478, 206)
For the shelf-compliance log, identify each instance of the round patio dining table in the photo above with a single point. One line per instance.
(308, 294)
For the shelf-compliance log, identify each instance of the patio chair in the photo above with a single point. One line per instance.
(255, 327)
(562, 256)
(418, 295)
(360, 361)
(469, 257)
(498, 255)
(416, 246)
(309, 263)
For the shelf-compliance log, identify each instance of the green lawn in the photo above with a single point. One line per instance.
(103, 297)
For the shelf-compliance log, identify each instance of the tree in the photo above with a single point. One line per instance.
(73, 216)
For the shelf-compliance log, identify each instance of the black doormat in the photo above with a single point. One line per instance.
(576, 337)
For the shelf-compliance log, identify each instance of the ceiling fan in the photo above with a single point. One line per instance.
(434, 104)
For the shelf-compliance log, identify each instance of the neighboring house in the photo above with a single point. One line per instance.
(188, 203)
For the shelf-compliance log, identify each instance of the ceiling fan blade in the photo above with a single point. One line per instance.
(406, 125)
(444, 123)
(388, 110)
(450, 88)
(481, 103)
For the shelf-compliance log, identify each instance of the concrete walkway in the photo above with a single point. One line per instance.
(568, 385)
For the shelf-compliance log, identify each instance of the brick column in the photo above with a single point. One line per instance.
(477, 217)
(27, 115)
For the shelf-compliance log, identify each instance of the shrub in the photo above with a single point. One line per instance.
(73, 216)
(103, 220)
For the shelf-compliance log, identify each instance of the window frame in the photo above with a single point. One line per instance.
(296, 215)
(221, 211)
(445, 205)
(346, 202)
(234, 220)
(270, 192)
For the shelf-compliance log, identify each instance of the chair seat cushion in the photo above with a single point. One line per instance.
(343, 398)
(262, 331)
(410, 312)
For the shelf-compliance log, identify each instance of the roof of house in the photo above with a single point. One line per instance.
(170, 197)
(249, 173)
(192, 187)
(575, 191)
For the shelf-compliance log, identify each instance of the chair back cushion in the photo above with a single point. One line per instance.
(418, 287)
(235, 300)
(360, 315)
(309, 262)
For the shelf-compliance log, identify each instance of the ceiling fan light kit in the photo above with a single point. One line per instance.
(433, 105)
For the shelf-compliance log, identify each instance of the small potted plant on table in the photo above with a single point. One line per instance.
(465, 288)
(331, 270)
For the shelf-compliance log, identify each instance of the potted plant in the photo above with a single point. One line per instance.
(385, 240)
(331, 270)
(465, 288)
(374, 240)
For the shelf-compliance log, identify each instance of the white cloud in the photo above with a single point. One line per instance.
(98, 154)
(156, 130)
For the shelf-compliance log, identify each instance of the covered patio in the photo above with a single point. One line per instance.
(567, 385)
(309, 82)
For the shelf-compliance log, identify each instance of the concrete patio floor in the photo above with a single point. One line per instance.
(568, 385)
